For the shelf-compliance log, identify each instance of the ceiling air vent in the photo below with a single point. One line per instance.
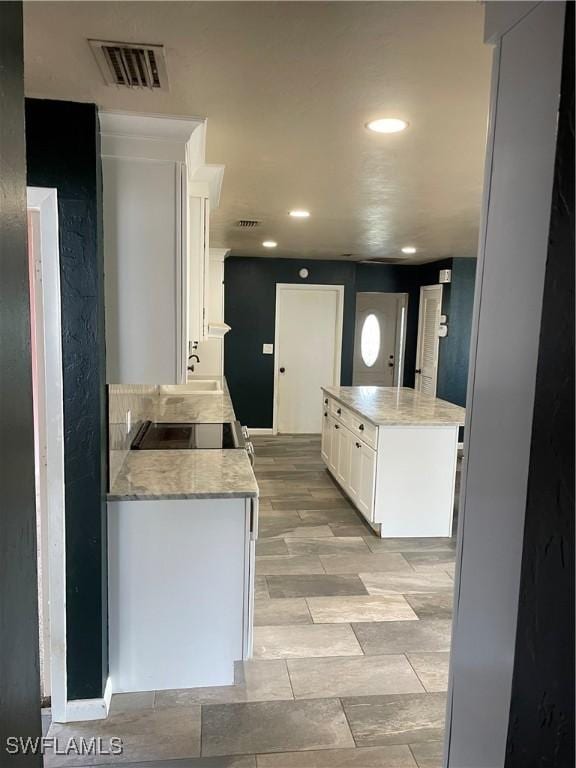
(131, 65)
(247, 223)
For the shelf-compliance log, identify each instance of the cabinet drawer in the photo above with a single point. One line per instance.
(366, 431)
(336, 408)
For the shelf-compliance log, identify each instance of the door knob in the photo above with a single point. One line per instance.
(282, 370)
(418, 370)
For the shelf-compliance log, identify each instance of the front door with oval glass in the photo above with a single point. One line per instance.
(379, 338)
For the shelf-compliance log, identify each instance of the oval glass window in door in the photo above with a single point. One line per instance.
(370, 340)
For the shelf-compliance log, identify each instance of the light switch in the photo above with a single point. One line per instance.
(267, 349)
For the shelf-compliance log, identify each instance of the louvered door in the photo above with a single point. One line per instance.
(428, 340)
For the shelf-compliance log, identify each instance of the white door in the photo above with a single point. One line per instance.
(307, 356)
(379, 338)
(428, 339)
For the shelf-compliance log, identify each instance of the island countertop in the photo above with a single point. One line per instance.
(398, 406)
(200, 474)
(173, 474)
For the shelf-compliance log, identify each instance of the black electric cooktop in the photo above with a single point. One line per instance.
(160, 436)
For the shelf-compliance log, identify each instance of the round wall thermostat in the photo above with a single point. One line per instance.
(303, 273)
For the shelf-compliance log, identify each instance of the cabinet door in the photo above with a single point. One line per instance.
(335, 430)
(355, 470)
(326, 436)
(343, 465)
(367, 481)
(198, 266)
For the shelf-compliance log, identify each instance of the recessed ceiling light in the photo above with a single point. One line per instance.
(387, 125)
(408, 249)
(269, 244)
(300, 214)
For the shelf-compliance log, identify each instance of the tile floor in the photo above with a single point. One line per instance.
(351, 645)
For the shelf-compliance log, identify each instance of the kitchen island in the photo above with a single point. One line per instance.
(393, 451)
(182, 526)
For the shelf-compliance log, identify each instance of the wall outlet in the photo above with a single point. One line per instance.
(128, 421)
(267, 349)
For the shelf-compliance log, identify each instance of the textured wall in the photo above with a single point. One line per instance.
(541, 728)
(63, 152)
(19, 669)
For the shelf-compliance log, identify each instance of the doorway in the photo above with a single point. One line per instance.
(428, 345)
(379, 339)
(47, 388)
(308, 345)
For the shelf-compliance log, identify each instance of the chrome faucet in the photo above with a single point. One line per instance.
(191, 367)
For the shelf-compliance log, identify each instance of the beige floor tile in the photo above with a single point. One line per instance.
(410, 544)
(432, 605)
(368, 757)
(260, 588)
(151, 734)
(281, 530)
(432, 670)
(327, 546)
(129, 702)
(367, 563)
(354, 676)
(304, 641)
(428, 754)
(287, 565)
(274, 727)
(256, 680)
(314, 586)
(406, 582)
(269, 613)
(396, 719)
(329, 610)
(404, 636)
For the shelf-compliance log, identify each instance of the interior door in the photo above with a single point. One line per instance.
(308, 344)
(428, 340)
(379, 338)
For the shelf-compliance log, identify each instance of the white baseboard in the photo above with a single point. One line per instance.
(260, 430)
(89, 709)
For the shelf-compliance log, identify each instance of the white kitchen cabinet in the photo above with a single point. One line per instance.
(365, 458)
(157, 195)
(343, 461)
(325, 447)
(334, 444)
(400, 477)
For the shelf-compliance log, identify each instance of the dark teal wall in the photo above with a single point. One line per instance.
(63, 151)
(250, 298)
(455, 348)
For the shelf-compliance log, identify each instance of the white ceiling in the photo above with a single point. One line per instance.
(287, 89)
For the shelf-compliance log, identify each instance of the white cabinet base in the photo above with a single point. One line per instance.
(180, 580)
(404, 486)
(415, 480)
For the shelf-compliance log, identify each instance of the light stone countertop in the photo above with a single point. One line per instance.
(202, 474)
(397, 406)
(173, 474)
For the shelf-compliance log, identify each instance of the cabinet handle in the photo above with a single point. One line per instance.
(325, 415)
(339, 411)
(358, 445)
(336, 426)
(325, 402)
(361, 427)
